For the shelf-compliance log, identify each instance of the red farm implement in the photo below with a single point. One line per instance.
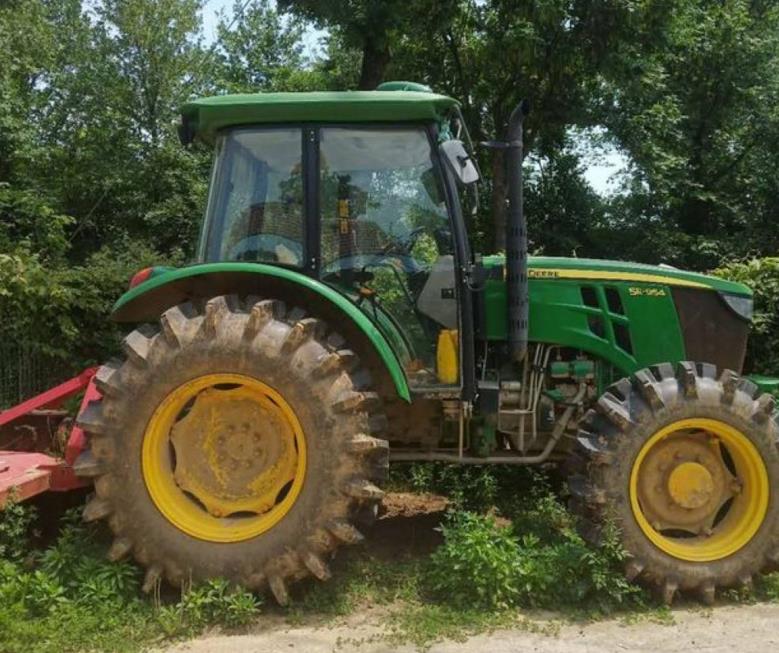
(39, 442)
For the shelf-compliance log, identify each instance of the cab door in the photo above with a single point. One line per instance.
(385, 237)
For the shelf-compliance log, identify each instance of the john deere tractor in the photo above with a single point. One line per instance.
(337, 318)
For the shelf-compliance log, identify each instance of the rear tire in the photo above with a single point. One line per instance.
(685, 463)
(318, 381)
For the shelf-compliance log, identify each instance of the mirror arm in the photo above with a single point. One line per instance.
(468, 141)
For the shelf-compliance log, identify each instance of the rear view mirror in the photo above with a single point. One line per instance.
(460, 162)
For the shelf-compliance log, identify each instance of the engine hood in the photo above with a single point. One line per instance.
(554, 267)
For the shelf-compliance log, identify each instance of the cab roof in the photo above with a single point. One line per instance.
(203, 118)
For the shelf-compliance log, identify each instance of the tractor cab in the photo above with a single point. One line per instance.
(353, 189)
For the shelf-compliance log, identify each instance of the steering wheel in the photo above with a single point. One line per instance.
(405, 246)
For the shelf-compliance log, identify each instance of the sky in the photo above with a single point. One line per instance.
(600, 175)
(211, 16)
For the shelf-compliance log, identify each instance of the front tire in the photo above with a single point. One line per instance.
(236, 442)
(686, 464)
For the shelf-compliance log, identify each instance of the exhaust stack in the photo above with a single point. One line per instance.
(517, 296)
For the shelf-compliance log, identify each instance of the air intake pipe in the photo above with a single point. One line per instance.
(517, 296)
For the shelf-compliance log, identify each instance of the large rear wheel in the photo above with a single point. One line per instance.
(686, 464)
(236, 442)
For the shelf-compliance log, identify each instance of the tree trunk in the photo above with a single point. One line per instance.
(498, 201)
(375, 58)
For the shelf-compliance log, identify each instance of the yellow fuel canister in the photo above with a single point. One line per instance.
(447, 356)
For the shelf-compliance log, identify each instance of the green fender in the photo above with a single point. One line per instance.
(768, 384)
(167, 287)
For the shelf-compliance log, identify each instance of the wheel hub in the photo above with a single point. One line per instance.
(224, 457)
(699, 489)
(234, 453)
(684, 482)
(691, 485)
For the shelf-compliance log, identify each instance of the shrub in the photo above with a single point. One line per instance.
(561, 569)
(26, 220)
(15, 521)
(70, 597)
(539, 561)
(61, 314)
(478, 563)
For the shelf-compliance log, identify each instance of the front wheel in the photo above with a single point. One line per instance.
(234, 441)
(685, 462)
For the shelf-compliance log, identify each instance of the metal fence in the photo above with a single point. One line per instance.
(25, 372)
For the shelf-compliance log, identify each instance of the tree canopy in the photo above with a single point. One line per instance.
(683, 91)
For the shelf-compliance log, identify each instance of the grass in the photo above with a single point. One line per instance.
(68, 597)
(398, 594)
(494, 567)
(506, 550)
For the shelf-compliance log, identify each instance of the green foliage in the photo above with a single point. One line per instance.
(69, 597)
(478, 563)
(477, 488)
(212, 603)
(470, 487)
(510, 542)
(63, 312)
(15, 522)
(537, 561)
(560, 569)
(767, 588)
(28, 223)
(692, 105)
(373, 27)
(262, 52)
(762, 275)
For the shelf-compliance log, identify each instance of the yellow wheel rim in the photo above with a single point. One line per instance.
(224, 457)
(699, 490)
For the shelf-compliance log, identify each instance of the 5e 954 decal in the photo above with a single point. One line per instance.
(644, 291)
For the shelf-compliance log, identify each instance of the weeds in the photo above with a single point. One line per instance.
(526, 554)
(214, 602)
(68, 597)
(482, 564)
(15, 523)
(508, 544)
(472, 488)
(478, 565)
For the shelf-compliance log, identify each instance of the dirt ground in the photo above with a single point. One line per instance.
(746, 629)
(408, 526)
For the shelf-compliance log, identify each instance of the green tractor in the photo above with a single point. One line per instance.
(337, 319)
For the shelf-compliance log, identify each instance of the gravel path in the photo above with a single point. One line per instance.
(745, 629)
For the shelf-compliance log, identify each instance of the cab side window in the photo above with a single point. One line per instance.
(258, 208)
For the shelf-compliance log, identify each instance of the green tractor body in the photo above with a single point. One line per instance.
(335, 262)
(618, 317)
